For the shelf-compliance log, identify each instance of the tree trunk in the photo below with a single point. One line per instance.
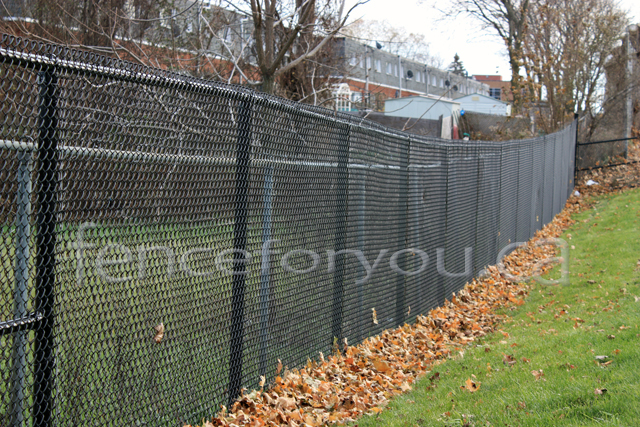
(268, 83)
(516, 88)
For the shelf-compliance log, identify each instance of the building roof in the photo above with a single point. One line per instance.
(487, 78)
(468, 97)
(425, 98)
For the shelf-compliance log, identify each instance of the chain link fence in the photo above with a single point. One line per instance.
(165, 240)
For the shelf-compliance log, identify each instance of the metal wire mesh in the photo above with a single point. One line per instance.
(165, 240)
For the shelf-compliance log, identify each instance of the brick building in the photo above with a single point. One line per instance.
(498, 88)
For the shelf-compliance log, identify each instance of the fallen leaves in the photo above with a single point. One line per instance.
(538, 374)
(361, 379)
(381, 365)
(471, 386)
(615, 178)
(508, 360)
(159, 334)
(600, 391)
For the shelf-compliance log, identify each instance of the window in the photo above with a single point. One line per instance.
(495, 92)
(356, 97)
(395, 70)
(418, 76)
(434, 81)
(378, 66)
(368, 63)
(389, 68)
(342, 93)
(190, 27)
(353, 61)
(441, 82)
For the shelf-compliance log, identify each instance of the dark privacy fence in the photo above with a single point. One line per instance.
(166, 239)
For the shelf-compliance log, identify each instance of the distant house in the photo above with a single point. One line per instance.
(428, 107)
(484, 104)
(498, 88)
(422, 106)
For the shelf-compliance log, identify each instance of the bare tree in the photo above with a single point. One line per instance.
(288, 33)
(253, 42)
(508, 20)
(565, 53)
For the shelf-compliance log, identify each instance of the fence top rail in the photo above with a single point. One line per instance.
(57, 56)
(50, 55)
(609, 140)
(104, 153)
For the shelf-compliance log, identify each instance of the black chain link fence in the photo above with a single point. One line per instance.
(166, 239)
(605, 154)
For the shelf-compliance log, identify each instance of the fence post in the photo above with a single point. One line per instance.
(21, 295)
(240, 237)
(575, 153)
(45, 246)
(265, 268)
(361, 200)
(403, 198)
(342, 214)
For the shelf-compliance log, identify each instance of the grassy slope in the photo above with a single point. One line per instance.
(605, 280)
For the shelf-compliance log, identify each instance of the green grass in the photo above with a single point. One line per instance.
(605, 281)
(108, 367)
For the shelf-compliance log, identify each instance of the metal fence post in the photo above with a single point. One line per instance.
(240, 237)
(361, 200)
(265, 269)
(47, 182)
(342, 213)
(21, 295)
(499, 222)
(575, 154)
(403, 208)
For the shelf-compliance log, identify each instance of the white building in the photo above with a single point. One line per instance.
(422, 107)
(429, 107)
(484, 104)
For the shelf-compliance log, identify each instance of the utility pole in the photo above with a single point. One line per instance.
(399, 77)
(366, 73)
(427, 74)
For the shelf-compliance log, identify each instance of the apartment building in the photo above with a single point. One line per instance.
(374, 75)
(201, 39)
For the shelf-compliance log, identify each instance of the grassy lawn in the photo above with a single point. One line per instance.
(546, 366)
(108, 365)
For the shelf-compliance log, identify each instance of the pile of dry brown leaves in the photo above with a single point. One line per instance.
(614, 178)
(361, 379)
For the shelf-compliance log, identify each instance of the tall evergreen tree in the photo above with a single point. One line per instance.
(456, 67)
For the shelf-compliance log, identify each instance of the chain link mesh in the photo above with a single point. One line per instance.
(165, 240)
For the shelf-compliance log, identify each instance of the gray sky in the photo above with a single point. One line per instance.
(480, 51)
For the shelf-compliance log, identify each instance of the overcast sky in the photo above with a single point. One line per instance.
(480, 51)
